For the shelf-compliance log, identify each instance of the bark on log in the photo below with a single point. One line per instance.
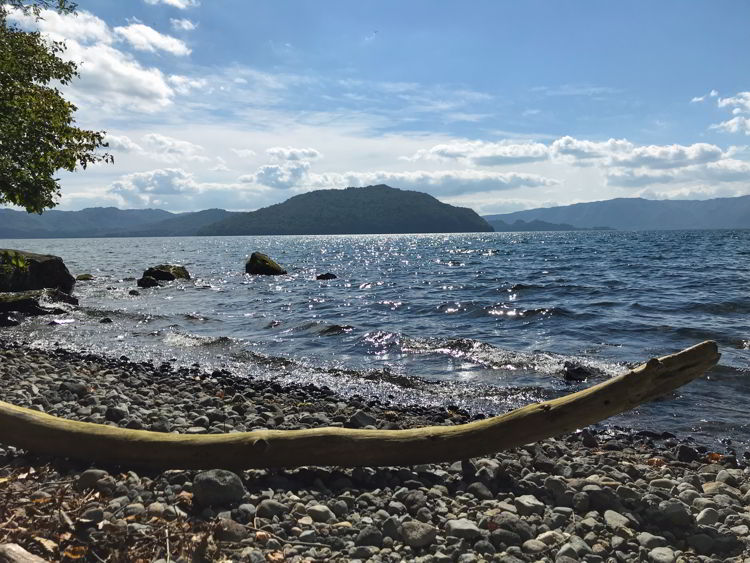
(44, 434)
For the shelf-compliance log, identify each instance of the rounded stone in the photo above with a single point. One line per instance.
(217, 487)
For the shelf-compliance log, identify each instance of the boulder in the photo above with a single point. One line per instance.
(261, 264)
(167, 272)
(14, 306)
(147, 281)
(326, 276)
(84, 277)
(24, 271)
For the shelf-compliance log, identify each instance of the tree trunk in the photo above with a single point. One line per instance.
(44, 434)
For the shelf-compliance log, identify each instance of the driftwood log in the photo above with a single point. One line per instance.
(49, 435)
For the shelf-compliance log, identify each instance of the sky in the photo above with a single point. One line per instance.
(494, 105)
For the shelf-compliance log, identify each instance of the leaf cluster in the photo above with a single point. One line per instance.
(38, 133)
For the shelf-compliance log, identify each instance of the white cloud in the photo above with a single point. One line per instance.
(145, 188)
(668, 156)
(244, 153)
(182, 24)
(122, 143)
(485, 153)
(279, 176)
(179, 4)
(740, 101)
(145, 38)
(292, 153)
(737, 124)
(184, 84)
(169, 149)
(698, 99)
(583, 152)
(84, 27)
(441, 182)
(220, 166)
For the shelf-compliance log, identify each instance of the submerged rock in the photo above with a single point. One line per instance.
(326, 276)
(24, 271)
(167, 272)
(37, 302)
(147, 281)
(261, 264)
(84, 277)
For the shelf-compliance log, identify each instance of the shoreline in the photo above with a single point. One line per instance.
(631, 496)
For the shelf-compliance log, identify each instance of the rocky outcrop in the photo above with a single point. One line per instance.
(261, 264)
(23, 271)
(167, 272)
(17, 305)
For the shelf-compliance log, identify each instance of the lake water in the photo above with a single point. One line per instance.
(483, 321)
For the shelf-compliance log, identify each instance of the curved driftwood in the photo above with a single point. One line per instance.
(44, 434)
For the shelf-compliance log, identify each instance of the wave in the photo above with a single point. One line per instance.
(183, 340)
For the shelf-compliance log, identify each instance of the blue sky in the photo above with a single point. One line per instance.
(494, 105)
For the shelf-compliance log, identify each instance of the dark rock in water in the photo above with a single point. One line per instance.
(686, 453)
(105, 320)
(217, 487)
(167, 272)
(23, 271)
(9, 319)
(336, 329)
(36, 302)
(573, 372)
(134, 292)
(326, 276)
(147, 281)
(261, 264)
(84, 277)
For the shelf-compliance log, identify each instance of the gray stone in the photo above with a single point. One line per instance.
(480, 490)
(534, 547)
(229, 530)
(702, 543)
(707, 517)
(360, 419)
(675, 513)
(269, 508)
(462, 528)
(261, 264)
(369, 535)
(89, 478)
(217, 487)
(526, 505)
(615, 520)
(661, 555)
(321, 513)
(418, 534)
(650, 541)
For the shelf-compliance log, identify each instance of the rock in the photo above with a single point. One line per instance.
(34, 302)
(134, 292)
(326, 276)
(217, 487)
(369, 535)
(84, 277)
(573, 372)
(105, 320)
(588, 439)
(480, 490)
(23, 271)
(418, 534)
(661, 555)
(360, 419)
(269, 508)
(261, 264)
(321, 513)
(116, 413)
(717, 487)
(534, 547)
(707, 517)
(229, 530)
(650, 541)
(167, 272)
(615, 520)
(702, 543)
(14, 553)
(526, 505)
(686, 453)
(147, 281)
(89, 478)
(462, 528)
(675, 513)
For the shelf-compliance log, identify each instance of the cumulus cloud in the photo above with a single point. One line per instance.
(169, 149)
(182, 24)
(583, 152)
(293, 154)
(725, 170)
(740, 101)
(185, 84)
(145, 38)
(179, 4)
(122, 143)
(244, 153)
(668, 156)
(739, 124)
(278, 176)
(485, 153)
(441, 182)
(144, 188)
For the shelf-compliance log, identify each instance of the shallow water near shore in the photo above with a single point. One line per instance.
(486, 321)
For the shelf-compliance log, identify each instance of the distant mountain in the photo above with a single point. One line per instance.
(520, 225)
(91, 222)
(643, 214)
(179, 225)
(373, 209)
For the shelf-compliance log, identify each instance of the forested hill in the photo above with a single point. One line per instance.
(372, 209)
(643, 214)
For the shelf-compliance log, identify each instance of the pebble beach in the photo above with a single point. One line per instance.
(599, 495)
